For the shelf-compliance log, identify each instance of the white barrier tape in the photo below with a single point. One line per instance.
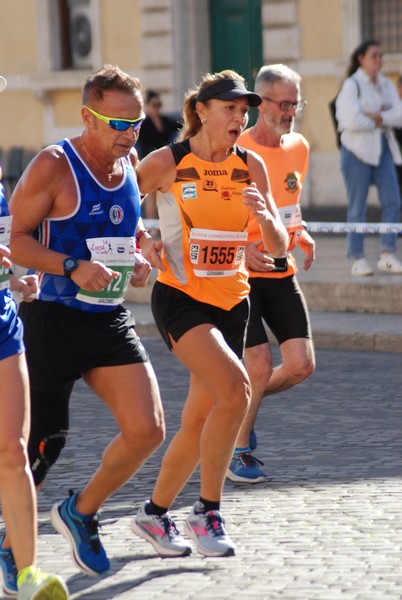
(376, 228)
(151, 223)
(327, 227)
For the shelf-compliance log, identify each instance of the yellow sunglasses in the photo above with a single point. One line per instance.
(118, 124)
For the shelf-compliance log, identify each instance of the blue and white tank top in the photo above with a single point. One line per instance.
(101, 227)
(7, 305)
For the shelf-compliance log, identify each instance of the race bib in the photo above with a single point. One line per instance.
(216, 253)
(292, 219)
(117, 254)
(5, 230)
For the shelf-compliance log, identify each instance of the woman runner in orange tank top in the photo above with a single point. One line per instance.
(206, 189)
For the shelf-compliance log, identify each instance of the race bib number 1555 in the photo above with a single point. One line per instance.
(216, 253)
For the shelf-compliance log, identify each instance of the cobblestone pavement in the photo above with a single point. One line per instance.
(327, 525)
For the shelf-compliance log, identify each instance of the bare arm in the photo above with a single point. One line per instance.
(157, 171)
(47, 190)
(32, 201)
(307, 244)
(259, 198)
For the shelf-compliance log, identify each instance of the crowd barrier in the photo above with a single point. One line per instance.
(327, 227)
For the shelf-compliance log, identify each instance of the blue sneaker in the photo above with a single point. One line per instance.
(9, 570)
(81, 532)
(244, 468)
(252, 440)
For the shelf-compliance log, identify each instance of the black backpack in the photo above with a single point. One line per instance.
(332, 110)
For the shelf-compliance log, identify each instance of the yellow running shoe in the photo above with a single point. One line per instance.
(35, 585)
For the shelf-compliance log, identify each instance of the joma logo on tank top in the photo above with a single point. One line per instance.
(215, 172)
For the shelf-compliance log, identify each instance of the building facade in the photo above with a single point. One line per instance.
(49, 47)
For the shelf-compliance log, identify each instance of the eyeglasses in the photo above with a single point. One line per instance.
(118, 124)
(286, 106)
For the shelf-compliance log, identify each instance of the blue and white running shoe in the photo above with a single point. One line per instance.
(81, 532)
(8, 569)
(244, 468)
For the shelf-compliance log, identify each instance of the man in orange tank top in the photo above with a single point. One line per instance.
(275, 296)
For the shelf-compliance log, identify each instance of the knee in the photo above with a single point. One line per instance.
(13, 456)
(238, 393)
(260, 371)
(43, 453)
(302, 369)
(49, 430)
(155, 435)
(148, 434)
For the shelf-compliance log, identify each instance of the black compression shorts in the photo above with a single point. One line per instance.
(281, 304)
(175, 313)
(63, 342)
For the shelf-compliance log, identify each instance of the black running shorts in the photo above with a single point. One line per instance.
(175, 313)
(63, 342)
(281, 304)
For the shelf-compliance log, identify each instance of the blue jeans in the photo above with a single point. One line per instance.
(358, 177)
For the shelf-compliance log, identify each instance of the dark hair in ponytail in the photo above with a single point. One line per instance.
(361, 50)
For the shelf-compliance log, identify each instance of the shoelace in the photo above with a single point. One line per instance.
(91, 529)
(249, 460)
(215, 523)
(91, 526)
(169, 526)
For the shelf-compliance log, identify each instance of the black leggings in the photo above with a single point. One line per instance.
(61, 344)
(49, 429)
(281, 304)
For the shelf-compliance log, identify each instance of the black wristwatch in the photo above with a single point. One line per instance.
(69, 264)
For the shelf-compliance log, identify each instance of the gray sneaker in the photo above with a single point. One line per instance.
(161, 532)
(207, 530)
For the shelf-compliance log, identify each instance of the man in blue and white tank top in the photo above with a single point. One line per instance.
(76, 217)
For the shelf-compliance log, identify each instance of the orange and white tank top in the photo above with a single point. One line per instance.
(203, 223)
(287, 167)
